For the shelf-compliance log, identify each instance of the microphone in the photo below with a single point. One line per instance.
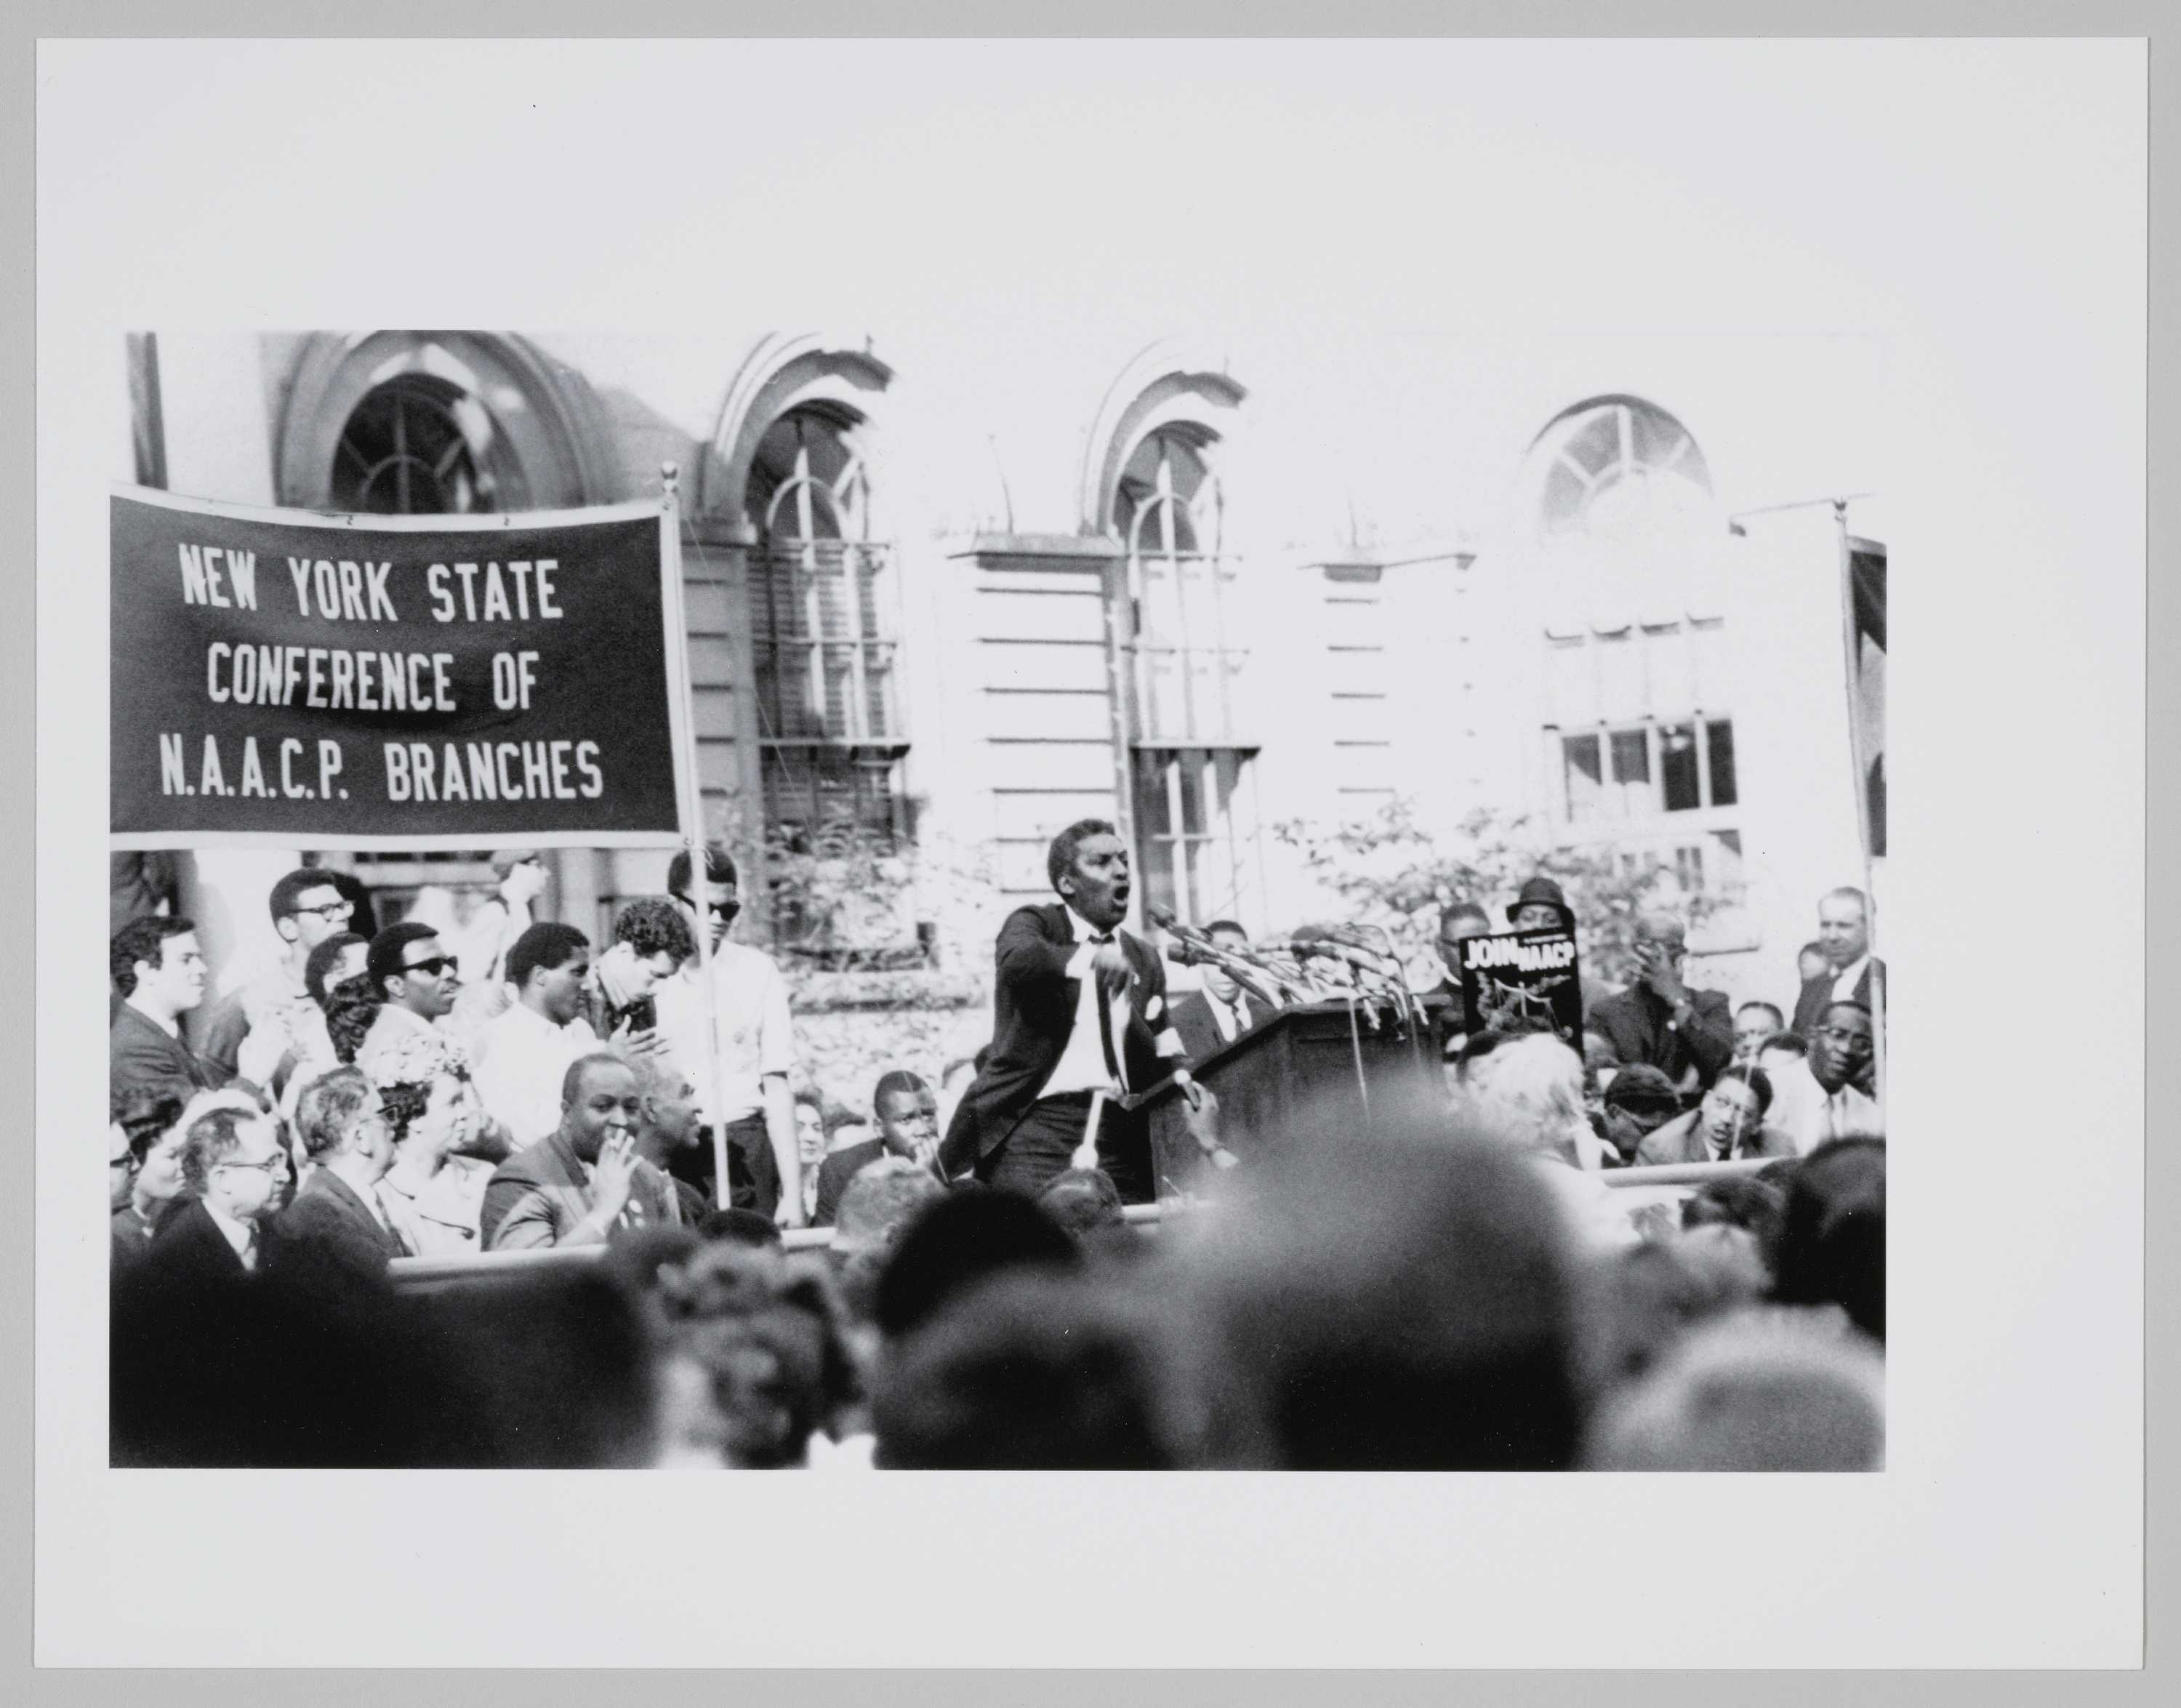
(1193, 948)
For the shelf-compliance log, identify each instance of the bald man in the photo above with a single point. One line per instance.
(1687, 1035)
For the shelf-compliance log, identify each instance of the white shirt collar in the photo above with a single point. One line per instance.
(1084, 930)
(1844, 980)
(241, 1235)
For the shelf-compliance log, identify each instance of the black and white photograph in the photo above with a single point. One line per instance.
(955, 958)
(1080, 825)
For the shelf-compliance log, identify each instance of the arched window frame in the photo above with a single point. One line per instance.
(1188, 784)
(554, 431)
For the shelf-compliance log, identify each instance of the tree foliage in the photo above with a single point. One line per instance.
(1389, 871)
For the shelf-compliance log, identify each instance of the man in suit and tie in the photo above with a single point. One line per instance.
(583, 1181)
(232, 1170)
(1080, 1016)
(1211, 1019)
(159, 971)
(335, 1229)
(1853, 974)
(1687, 1035)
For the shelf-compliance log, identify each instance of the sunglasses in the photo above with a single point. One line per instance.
(719, 909)
(433, 966)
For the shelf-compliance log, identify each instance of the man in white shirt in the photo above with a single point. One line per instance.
(1853, 974)
(306, 910)
(1839, 1062)
(523, 1055)
(749, 1099)
(233, 1169)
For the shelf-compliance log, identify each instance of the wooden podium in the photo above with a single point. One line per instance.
(1302, 1058)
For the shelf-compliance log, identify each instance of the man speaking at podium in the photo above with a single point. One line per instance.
(1079, 1015)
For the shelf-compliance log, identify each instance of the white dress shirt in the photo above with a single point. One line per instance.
(757, 1036)
(241, 1235)
(523, 1057)
(1844, 980)
(1082, 1065)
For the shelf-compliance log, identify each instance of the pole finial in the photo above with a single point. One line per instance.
(669, 473)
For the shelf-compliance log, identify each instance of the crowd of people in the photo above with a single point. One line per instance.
(1463, 1285)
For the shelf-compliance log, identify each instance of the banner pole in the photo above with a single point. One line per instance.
(692, 832)
(1852, 673)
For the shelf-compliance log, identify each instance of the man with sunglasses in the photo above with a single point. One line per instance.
(307, 909)
(416, 978)
(756, 1045)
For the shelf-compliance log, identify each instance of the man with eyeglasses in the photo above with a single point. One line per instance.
(335, 1229)
(1839, 1062)
(417, 979)
(233, 1171)
(756, 1045)
(306, 910)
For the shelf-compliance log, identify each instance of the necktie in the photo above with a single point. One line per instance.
(1107, 987)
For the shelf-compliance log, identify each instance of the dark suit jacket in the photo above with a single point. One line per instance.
(329, 1227)
(835, 1173)
(1034, 1004)
(1818, 994)
(189, 1254)
(139, 1054)
(1680, 1140)
(1199, 1032)
(538, 1195)
(1635, 1021)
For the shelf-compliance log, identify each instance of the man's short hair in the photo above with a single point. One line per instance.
(384, 961)
(1060, 858)
(1756, 1078)
(572, 1082)
(548, 944)
(325, 958)
(506, 860)
(1793, 1043)
(1462, 910)
(212, 1137)
(141, 939)
(1779, 1020)
(1219, 925)
(1862, 1008)
(326, 1112)
(1847, 892)
(291, 889)
(896, 1079)
(1643, 1088)
(880, 1200)
(718, 869)
(653, 925)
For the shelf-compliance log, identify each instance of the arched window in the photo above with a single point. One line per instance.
(1622, 467)
(1640, 735)
(821, 595)
(419, 446)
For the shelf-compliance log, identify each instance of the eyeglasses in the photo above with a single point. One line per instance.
(1834, 1035)
(329, 911)
(719, 909)
(433, 966)
(126, 1159)
(275, 1162)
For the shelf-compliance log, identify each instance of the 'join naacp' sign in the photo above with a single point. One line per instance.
(287, 678)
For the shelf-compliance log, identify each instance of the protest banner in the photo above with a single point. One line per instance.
(295, 680)
(1513, 978)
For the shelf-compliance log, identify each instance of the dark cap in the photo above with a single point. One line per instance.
(1642, 1086)
(1546, 891)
